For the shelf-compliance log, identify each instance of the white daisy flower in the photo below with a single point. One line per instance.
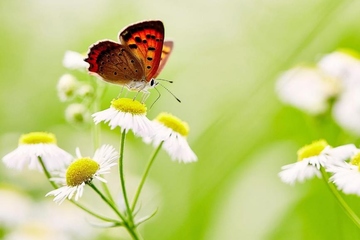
(172, 131)
(344, 65)
(311, 158)
(128, 114)
(74, 60)
(346, 176)
(82, 171)
(33, 146)
(306, 88)
(346, 111)
(67, 87)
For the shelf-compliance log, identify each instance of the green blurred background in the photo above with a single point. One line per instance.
(226, 59)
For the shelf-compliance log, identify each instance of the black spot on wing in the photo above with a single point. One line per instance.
(138, 39)
(133, 46)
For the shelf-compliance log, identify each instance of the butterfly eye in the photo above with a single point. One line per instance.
(153, 82)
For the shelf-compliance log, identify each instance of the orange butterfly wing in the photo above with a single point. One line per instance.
(167, 49)
(145, 40)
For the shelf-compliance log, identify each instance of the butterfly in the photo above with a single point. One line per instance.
(136, 61)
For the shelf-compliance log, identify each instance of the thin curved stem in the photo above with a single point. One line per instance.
(47, 174)
(122, 178)
(131, 229)
(146, 172)
(351, 214)
(96, 215)
(108, 202)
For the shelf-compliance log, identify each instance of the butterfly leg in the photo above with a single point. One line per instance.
(145, 96)
(121, 92)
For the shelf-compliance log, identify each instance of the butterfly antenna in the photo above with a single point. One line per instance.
(169, 90)
(159, 95)
(165, 80)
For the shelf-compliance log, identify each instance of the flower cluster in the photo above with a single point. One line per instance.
(71, 90)
(312, 88)
(329, 93)
(129, 114)
(38, 150)
(70, 175)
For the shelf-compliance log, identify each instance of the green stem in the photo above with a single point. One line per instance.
(146, 172)
(96, 215)
(47, 174)
(122, 179)
(55, 186)
(351, 214)
(131, 229)
(107, 191)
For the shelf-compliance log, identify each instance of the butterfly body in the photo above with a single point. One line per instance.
(136, 61)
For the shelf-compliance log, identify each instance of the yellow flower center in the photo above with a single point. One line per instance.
(355, 160)
(129, 105)
(81, 171)
(174, 123)
(37, 137)
(313, 149)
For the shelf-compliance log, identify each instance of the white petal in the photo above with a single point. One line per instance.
(106, 156)
(26, 155)
(139, 124)
(347, 178)
(298, 172)
(178, 148)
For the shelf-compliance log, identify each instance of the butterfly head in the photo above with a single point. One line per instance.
(141, 86)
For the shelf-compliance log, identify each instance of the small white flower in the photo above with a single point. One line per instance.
(67, 87)
(311, 158)
(346, 176)
(128, 114)
(33, 146)
(85, 90)
(77, 113)
(82, 171)
(172, 132)
(306, 88)
(74, 60)
(344, 65)
(346, 111)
